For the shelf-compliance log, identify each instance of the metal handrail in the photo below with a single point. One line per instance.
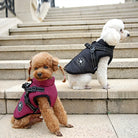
(8, 5)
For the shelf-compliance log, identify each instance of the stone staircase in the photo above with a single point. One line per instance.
(63, 34)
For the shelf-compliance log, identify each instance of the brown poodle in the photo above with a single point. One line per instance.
(40, 97)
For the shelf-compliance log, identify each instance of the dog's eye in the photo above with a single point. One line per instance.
(121, 30)
(45, 67)
(35, 68)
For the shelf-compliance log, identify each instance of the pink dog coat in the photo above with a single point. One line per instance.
(28, 103)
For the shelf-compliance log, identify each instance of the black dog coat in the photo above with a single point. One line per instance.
(87, 60)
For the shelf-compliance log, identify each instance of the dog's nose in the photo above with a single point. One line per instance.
(128, 35)
(39, 74)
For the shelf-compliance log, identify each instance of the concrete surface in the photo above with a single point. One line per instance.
(120, 68)
(72, 23)
(52, 39)
(5, 85)
(64, 29)
(119, 89)
(85, 126)
(102, 17)
(122, 97)
(6, 24)
(126, 126)
(87, 12)
(25, 52)
(95, 7)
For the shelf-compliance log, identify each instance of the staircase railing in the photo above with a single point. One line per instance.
(8, 5)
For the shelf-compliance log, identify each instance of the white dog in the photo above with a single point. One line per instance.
(113, 31)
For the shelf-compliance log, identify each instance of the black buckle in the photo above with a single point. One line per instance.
(26, 85)
(92, 49)
(88, 45)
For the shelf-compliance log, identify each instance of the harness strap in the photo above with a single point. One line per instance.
(28, 90)
(103, 49)
(28, 103)
(34, 89)
(94, 48)
(93, 57)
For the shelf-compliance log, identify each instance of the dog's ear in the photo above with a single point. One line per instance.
(54, 64)
(29, 71)
(111, 36)
(62, 73)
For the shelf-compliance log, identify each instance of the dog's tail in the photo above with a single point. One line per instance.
(62, 73)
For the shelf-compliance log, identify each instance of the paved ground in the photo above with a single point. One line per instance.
(85, 126)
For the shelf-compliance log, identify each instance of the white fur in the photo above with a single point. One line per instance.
(113, 31)
(79, 81)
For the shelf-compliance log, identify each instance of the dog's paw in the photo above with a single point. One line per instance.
(69, 126)
(28, 126)
(108, 84)
(78, 88)
(58, 133)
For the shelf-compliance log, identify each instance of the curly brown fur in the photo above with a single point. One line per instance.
(43, 66)
(26, 122)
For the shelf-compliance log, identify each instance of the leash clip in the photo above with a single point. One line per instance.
(92, 49)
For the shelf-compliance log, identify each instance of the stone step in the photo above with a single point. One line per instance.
(25, 52)
(122, 97)
(103, 8)
(90, 12)
(64, 29)
(94, 15)
(52, 39)
(74, 23)
(100, 17)
(120, 68)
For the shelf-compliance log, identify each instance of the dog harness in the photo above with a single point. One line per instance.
(87, 60)
(28, 102)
